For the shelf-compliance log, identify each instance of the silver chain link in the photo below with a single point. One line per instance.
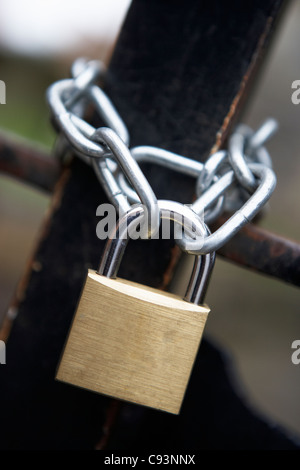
(222, 182)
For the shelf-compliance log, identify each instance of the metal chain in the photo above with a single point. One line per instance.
(245, 168)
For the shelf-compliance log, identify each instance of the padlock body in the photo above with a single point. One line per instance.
(132, 342)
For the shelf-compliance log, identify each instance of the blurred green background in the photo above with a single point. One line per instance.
(255, 318)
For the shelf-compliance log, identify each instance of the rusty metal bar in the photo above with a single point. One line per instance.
(252, 247)
(27, 163)
(266, 252)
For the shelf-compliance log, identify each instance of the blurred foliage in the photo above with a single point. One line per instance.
(26, 112)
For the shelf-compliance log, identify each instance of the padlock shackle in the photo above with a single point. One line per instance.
(202, 269)
(117, 242)
(118, 239)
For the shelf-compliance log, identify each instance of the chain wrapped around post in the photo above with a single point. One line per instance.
(244, 168)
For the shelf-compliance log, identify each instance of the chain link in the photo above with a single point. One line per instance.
(246, 164)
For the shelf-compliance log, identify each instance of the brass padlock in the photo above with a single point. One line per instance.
(134, 342)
